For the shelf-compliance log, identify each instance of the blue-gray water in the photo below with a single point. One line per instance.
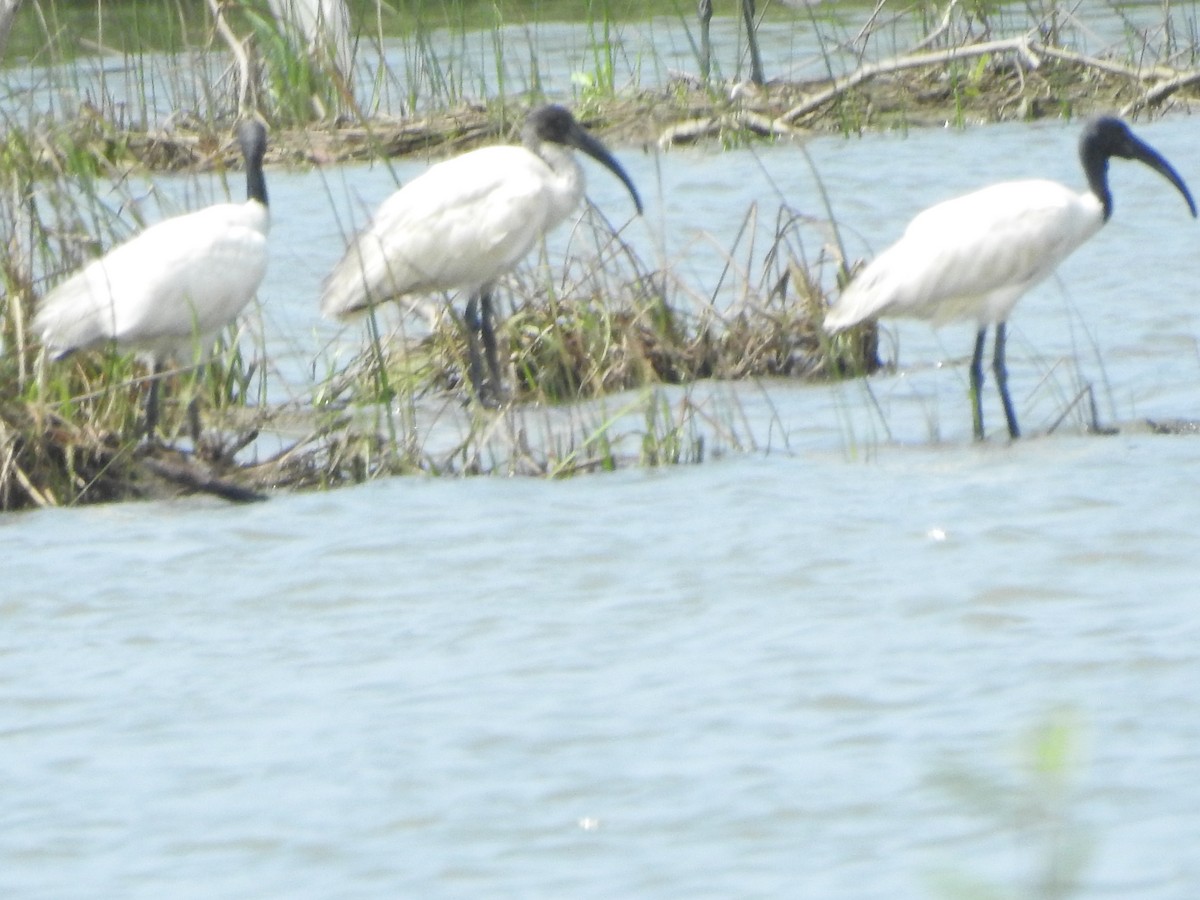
(739, 679)
(746, 678)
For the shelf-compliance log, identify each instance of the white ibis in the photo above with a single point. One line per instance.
(168, 291)
(467, 221)
(973, 257)
(324, 25)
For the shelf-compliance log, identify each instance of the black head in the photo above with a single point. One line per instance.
(252, 137)
(1106, 137)
(554, 124)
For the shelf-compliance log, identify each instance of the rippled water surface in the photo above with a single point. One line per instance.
(740, 679)
(751, 677)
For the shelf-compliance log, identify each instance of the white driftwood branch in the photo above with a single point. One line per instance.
(1107, 65)
(1160, 91)
(1168, 80)
(710, 126)
(1021, 46)
(238, 51)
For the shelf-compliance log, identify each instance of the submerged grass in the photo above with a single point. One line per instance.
(609, 363)
(607, 322)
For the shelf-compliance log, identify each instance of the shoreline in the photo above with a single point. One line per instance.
(57, 452)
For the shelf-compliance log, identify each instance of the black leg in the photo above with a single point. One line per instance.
(150, 422)
(475, 358)
(704, 9)
(977, 384)
(1001, 370)
(193, 414)
(756, 69)
(488, 331)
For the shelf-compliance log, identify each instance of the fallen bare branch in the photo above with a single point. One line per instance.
(1161, 91)
(1021, 46)
(1106, 65)
(191, 475)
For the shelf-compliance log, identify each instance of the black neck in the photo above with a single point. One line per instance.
(1095, 166)
(256, 184)
(252, 136)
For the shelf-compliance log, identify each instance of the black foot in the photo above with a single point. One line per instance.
(491, 396)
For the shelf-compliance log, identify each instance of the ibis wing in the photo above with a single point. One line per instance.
(460, 224)
(183, 278)
(972, 257)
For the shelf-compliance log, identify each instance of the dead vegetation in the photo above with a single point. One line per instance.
(608, 327)
(981, 81)
(610, 324)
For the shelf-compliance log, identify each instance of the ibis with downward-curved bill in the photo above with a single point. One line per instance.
(466, 222)
(973, 257)
(168, 291)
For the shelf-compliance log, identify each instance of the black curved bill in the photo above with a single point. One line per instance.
(581, 140)
(1144, 153)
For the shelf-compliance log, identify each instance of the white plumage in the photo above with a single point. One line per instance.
(176, 284)
(946, 266)
(323, 25)
(457, 226)
(467, 221)
(168, 291)
(972, 258)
